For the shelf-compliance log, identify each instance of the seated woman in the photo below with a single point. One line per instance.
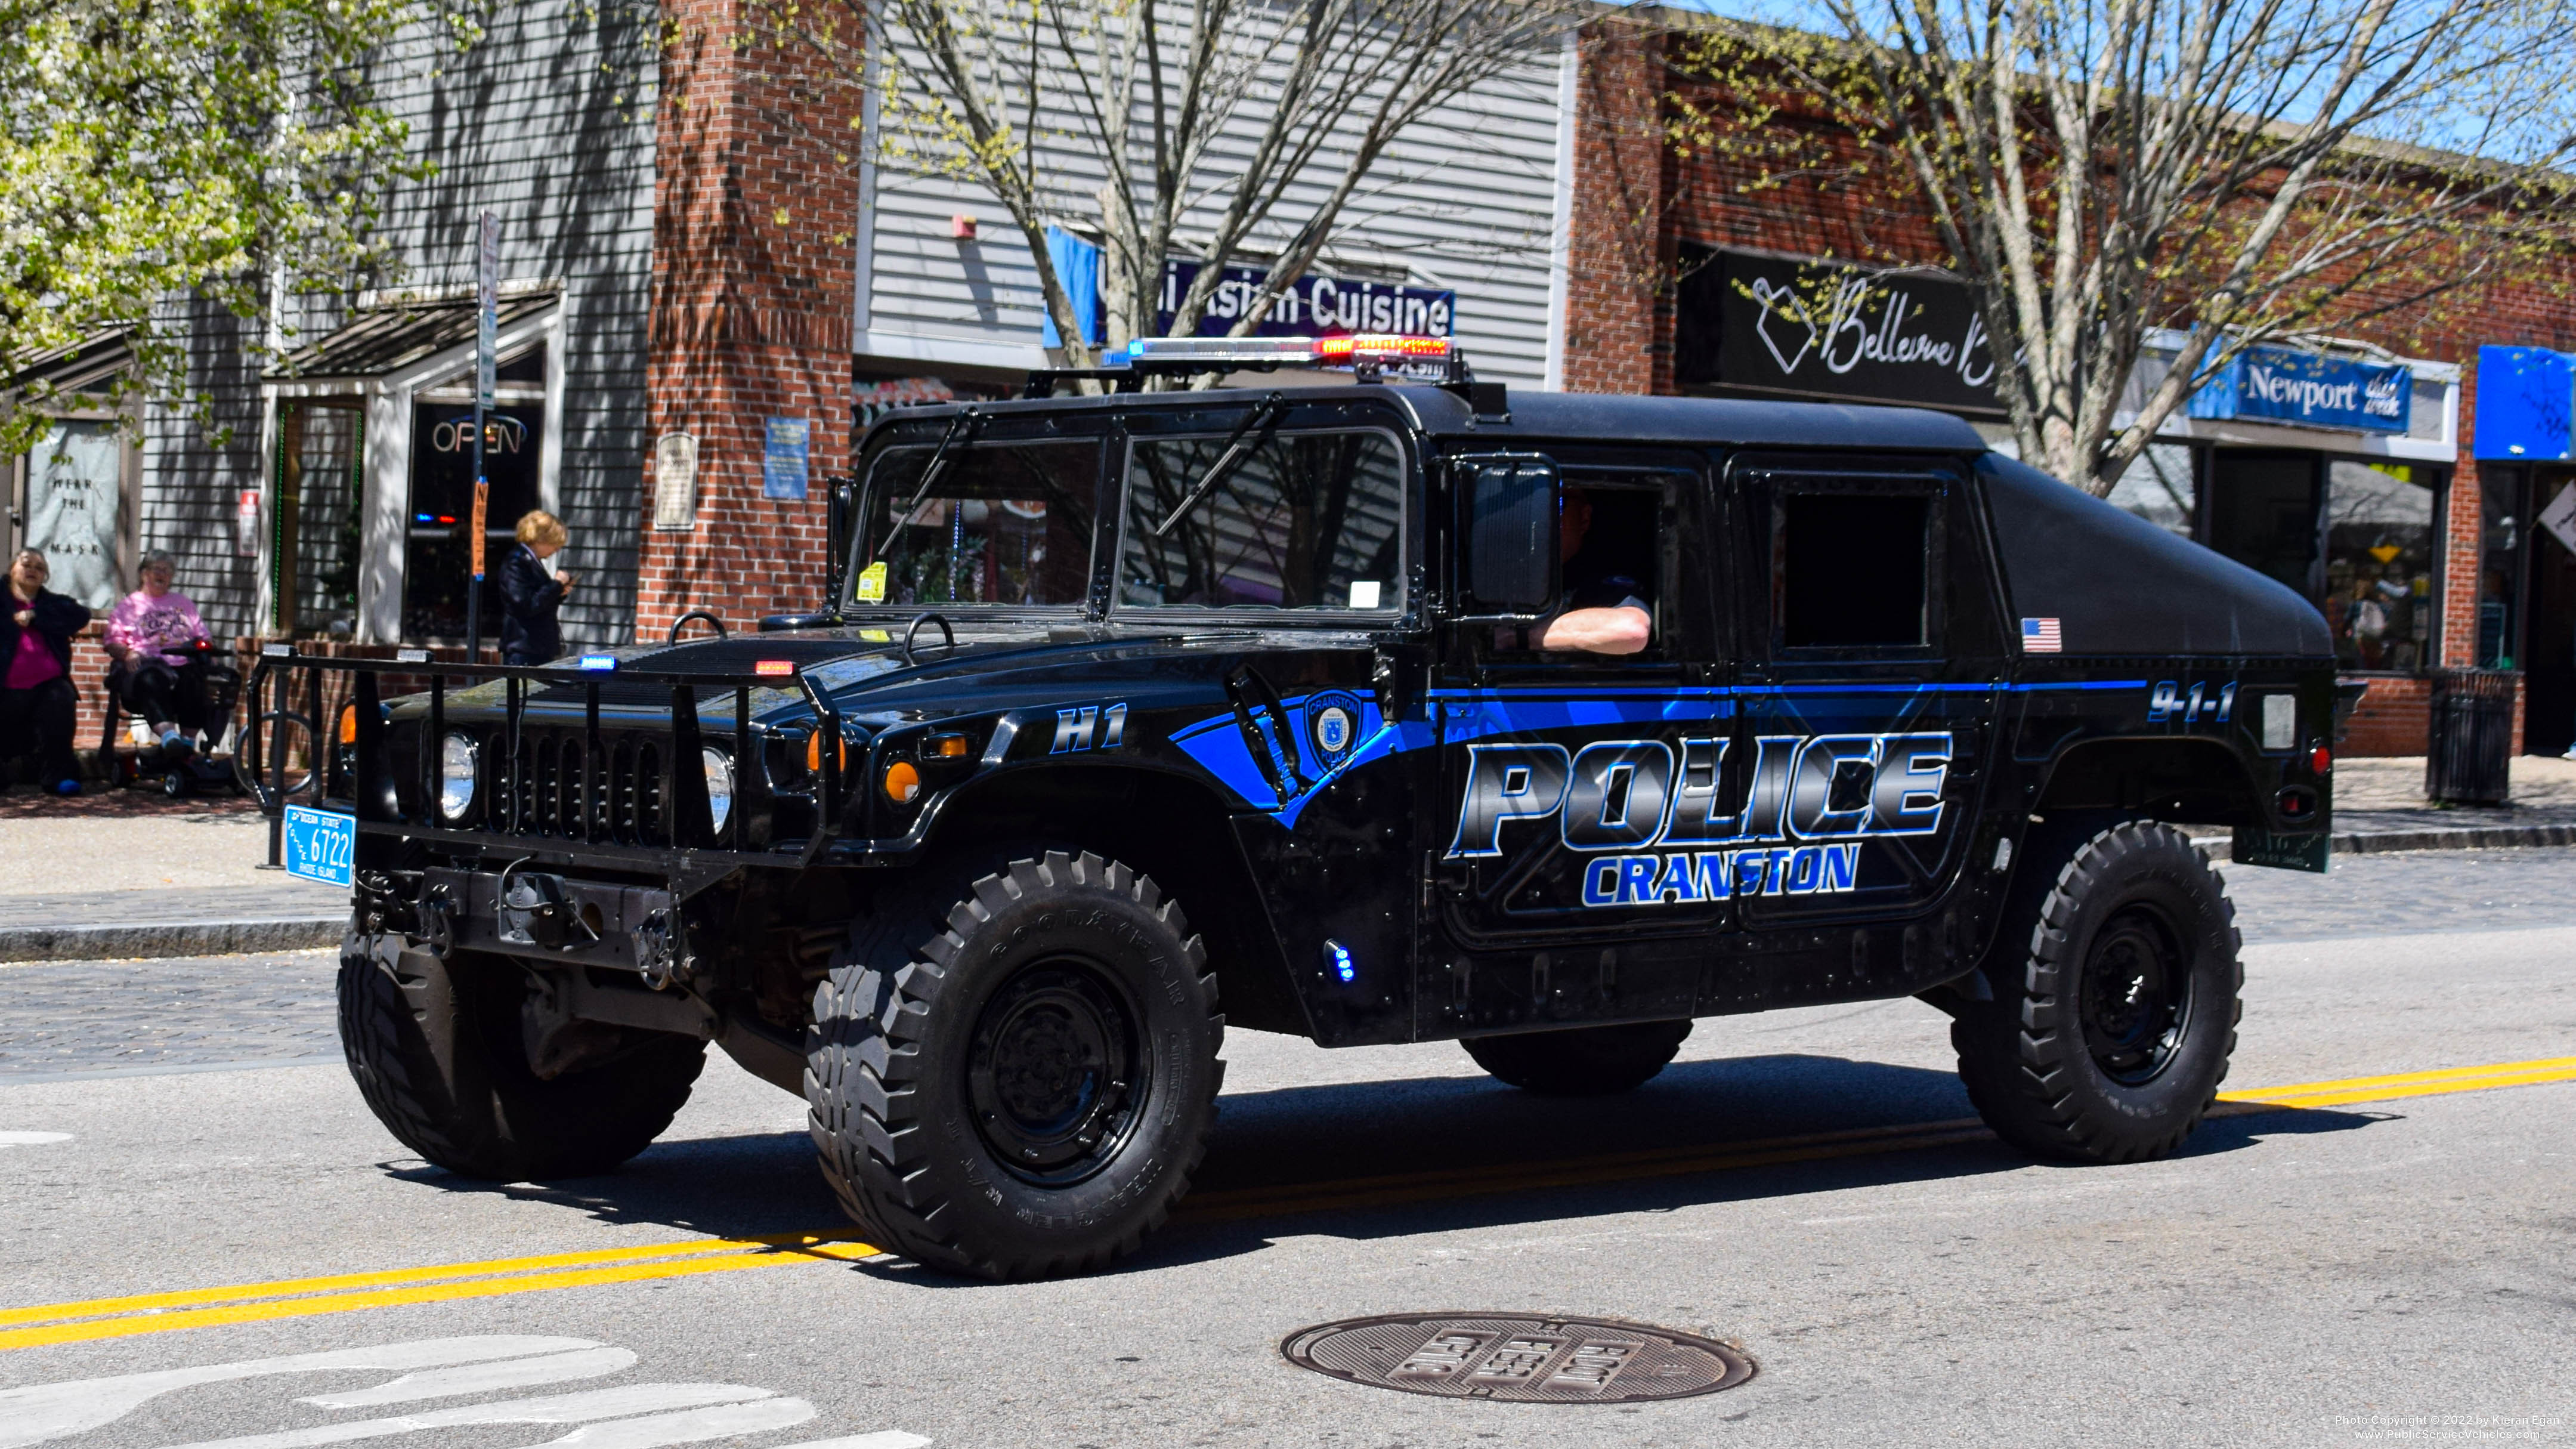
(36, 699)
(159, 673)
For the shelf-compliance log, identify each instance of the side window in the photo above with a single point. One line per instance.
(1855, 569)
(1301, 521)
(1003, 523)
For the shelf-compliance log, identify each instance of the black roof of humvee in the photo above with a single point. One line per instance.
(1569, 416)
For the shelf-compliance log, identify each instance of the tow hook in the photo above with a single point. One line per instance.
(659, 955)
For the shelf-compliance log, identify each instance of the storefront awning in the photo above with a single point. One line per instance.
(379, 340)
(89, 365)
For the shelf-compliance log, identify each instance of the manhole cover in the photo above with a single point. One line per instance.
(1519, 1358)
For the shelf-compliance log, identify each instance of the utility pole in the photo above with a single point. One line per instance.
(487, 326)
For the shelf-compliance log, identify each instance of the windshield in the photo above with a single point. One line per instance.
(1303, 521)
(1004, 523)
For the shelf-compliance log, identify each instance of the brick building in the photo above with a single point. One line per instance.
(2422, 553)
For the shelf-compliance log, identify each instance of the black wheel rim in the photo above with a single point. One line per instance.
(1057, 1073)
(2136, 996)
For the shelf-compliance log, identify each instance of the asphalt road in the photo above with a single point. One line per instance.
(2390, 1263)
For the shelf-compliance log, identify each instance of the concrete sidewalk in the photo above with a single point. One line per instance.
(106, 878)
(119, 877)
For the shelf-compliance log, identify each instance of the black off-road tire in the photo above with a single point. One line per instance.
(1586, 1061)
(436, 1048)
(966, 1063)
(2117, 993)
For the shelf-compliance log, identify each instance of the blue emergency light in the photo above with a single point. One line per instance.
(1338, 956)
(599, 662)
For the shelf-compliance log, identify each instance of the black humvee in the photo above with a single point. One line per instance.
(1131, 717)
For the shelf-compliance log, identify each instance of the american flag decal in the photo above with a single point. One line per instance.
(2039, 636)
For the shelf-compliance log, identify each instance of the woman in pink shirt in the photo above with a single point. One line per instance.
(36, 699)
(153, 634)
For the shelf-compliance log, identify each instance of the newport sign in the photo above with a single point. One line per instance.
(2278, 385)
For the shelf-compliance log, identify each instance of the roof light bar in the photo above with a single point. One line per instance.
(1371, 356)
(1358, 349)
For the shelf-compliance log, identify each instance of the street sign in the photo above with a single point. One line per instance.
(321, 845)
(487, 328)
(2560, 517)
(487, 307)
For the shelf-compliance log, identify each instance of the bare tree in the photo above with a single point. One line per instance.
(2250, 170)
(1211, 130)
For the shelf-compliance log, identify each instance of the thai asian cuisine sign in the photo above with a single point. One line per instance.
(2277, 384)
(1314, 306)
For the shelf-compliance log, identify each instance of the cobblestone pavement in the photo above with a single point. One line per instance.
(60, 1017)
(87, 1016)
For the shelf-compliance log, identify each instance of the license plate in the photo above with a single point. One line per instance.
(320, 845)
(2281, 852)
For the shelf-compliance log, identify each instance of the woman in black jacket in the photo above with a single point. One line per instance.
(530, 595)
(36, 698)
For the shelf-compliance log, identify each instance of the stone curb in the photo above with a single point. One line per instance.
(168, 939)
(2472, 837)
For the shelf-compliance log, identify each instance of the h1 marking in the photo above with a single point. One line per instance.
(1075, 728)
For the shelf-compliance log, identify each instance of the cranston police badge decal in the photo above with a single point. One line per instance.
(1332, 725)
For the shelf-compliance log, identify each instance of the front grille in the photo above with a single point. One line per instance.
(560, 789)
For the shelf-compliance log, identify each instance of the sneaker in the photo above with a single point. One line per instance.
(175, 744)
(67, 787)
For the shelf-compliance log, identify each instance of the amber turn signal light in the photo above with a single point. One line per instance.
(943, 747)
(814, 753)
(902, 782)
(349, 724)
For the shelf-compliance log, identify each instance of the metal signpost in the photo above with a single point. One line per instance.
(487, 323)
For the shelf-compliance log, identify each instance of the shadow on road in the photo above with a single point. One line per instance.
(1436, 1154)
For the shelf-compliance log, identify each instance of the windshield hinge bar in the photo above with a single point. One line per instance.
(1263, 417)
(966, 423)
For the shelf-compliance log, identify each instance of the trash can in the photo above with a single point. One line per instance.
(2471, 750)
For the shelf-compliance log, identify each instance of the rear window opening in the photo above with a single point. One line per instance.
(1854, 569)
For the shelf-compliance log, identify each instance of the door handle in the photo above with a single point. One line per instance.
(1280, 762)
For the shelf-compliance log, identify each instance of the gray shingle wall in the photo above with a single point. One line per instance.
(196, 464)
(548, 122)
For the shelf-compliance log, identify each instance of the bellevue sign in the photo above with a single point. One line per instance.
(1820, 329)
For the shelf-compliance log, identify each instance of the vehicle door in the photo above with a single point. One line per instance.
(1869, 693)
(1576, 787)
(1277, 538)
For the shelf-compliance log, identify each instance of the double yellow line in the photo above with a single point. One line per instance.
(349, 1292)
(344, 1293)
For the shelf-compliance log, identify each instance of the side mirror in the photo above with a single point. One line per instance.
(1510, 507)
(840, 521)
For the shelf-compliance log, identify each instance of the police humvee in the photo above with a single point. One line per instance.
(1128, 717)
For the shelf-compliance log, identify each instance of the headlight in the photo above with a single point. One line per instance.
(458, 761)
(719, 786)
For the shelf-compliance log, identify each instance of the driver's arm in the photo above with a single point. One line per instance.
(1622, 629)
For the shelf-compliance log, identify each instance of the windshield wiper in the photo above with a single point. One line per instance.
(967, 422)
(1264, 417)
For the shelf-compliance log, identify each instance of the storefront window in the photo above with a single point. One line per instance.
(2379, 564)
(2158, 488)
(438, 554)
(2263, 514)
(2499, 547)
